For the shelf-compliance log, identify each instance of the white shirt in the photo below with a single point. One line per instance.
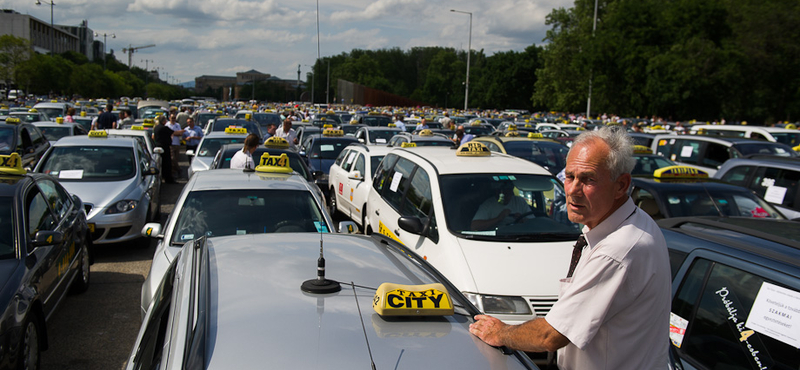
(615, 308)
(242, 159)
(289, 136)
(176, 140)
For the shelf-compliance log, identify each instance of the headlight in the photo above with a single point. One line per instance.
(499, 304)
(122, 206)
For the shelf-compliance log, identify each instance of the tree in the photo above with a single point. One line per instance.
(13, 51)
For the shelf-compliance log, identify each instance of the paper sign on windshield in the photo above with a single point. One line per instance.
(776, 314)
(775, 194)
(70, 174)
(686, 151)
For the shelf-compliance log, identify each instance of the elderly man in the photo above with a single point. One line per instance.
(613, 310)
(288, 133)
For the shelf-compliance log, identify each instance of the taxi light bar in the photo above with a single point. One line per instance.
(512, 134)
(137, 127)
(274, 164)
(11, 164)
(332, 132)
(535, 135)
(473, 149)
(12, 120)
(408, 145)
(235, 130)
(679, 172)
(412, 300)
(641, 149)
(98, 133)
(426, 132)
(276, 143)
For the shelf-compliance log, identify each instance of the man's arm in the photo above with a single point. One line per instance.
(532, 336)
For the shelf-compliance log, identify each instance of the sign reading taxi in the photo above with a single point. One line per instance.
(473, 149)
(274, 164)
(681, 172)
(11, 164)
(412, 300)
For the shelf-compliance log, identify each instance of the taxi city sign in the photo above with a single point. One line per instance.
(473, 149)
(535, 135)
(276, 142)
(11, 164)
(679, 172)
(235, 130)
(137, 127)
(412, 300)
(274, 164)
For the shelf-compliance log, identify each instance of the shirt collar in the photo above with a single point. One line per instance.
(610, 224)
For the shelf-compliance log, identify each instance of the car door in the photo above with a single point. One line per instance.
(338, 177)
(779, 186)
(353, 185)
(150, 183)
(71, 224)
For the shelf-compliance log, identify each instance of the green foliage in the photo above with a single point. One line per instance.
(13, 51)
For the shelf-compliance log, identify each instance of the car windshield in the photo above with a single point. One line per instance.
(51, 112)
(6, 232)
(210, 146)
(247, 211)
(203, 118)
(766, 148)
(221, 125)
(534, 205)
(6, 140)
(381, 136)
(706, 202)
(551, 156)
(478, 130)
(55, 133)
(376, 120)
(28, 117)
(788, 138)
(647, 164)
(349, 130)
(90, 163)
(433, 143)
(328, 148)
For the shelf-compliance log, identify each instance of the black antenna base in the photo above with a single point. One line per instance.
(316, 286)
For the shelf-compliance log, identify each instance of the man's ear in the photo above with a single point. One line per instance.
(622, 185)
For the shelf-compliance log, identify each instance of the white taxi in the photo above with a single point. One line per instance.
(494, 224)
(350, 179)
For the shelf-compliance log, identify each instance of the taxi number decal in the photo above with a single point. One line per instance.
(63, 264)
(275, 161)
(9, 161)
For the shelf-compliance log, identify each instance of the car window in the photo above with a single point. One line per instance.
(777, 185)
(6, 232)
(686, 151)
(38, 213)
(374, 162)
(398, 182)
(716, 155)
(359, 165)
(341, 157)
(58, 198)
(718, 318)
(210, 147)
(383, 172)
(90, 163)
(738, 175)
(349, 160)
(418, 202)
(36, 137)
(492, 146)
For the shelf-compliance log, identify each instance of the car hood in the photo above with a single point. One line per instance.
(201, 163)
(100, 194)
(534, 268)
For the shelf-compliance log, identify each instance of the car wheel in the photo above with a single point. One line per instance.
(81, 283)
(30, 355)
(332, 207)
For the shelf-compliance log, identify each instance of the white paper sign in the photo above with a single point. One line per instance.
(326, 148)
(776, 314)
(380, 140)
(686, 151)
(350, 157)
(775, 194)
(395, 181)
(70, 174)
(677, 329)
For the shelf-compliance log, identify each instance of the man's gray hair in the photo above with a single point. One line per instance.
(620, 157)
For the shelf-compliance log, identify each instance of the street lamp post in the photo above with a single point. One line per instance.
(52, 28)
(113, 36)
(591, 72)
(312, 82)
(469, 51)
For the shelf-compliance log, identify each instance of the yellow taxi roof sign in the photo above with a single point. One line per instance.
(59, 120)
(473, 149)
(512, 127)
(679, 172)
(276, 142)
(475, 123)
(391, 125)
(412, 300)
(512, 134)
(12, 120)
(274, 164)
(33, 110)
(235, 130)
(535, 135)
(248, 116)
(328, 125)
(137, 127)
(332, 132)
(426, 132)
(83, 114)
(791, 126)
(11, 164)
(641, 149)
(98, 133)
(408, 145)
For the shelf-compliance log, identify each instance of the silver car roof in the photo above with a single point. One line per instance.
(260, 315)
(95, 141)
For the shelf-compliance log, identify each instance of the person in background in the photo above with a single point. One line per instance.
(175, 149)
(105, 120)
(162, 135)
(270, 131)
(192, 134)
(125, 118)
(244, 158)
(70, 115)
(287, 132)
(422, 125)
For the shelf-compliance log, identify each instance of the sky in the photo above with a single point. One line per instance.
(222, 37)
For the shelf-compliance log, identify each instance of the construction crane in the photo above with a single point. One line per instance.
(132, 49)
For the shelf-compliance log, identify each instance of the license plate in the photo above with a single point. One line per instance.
(91, 227)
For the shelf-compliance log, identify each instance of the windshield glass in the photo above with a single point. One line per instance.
(766, 148)
(51, 112)
(381, 136)
(6, 232)
(478, 130)
(6, 140)
(247, 211)
(719, 203)
(90, 163)
(788, 138)
(210, 147)
(506, 207)
(433, 142)
(328, 148)
(295, 161)
(55, 133)
(647, 164)
(203, 118)
(221, 125)
(551, 156)
(376, 120)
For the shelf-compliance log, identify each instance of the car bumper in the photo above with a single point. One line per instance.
(118, 227)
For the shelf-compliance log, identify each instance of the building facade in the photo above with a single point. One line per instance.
(43, 38)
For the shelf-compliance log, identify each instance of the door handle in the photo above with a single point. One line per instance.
(397, 232)
(377, 212)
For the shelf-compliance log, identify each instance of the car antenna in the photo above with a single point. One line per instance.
(320, 285)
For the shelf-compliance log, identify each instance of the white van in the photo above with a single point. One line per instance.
(773, 134)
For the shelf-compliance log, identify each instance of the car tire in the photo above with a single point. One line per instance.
(332, 210)
(30, 354)
(83, 278)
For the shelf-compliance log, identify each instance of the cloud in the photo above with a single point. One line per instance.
(356, 39)
(221, 11)
(380, 9)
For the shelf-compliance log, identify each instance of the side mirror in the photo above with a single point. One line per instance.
(152, 171)
(411, 224)
(46, 237)
(189, 153)
(355, 175)
(158, 150)
(361, 140)
(348, 227)
(152, 230)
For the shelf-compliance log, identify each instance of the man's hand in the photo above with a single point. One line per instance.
(488, 329)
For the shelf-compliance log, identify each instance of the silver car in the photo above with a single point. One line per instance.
(236, 302)
(113, 177)
(233, 202)
(208, 147)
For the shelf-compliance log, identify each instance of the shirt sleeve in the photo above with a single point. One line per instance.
(585, 302)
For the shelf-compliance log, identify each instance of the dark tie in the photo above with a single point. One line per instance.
(576, 255)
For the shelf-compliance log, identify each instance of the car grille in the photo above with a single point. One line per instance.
(88, 207)
(117, 232)
(542, 305)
